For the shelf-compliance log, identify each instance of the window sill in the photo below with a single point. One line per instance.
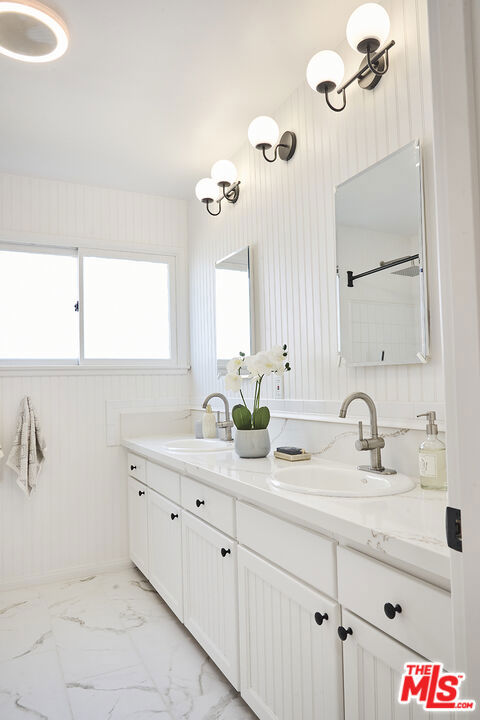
(80, 370)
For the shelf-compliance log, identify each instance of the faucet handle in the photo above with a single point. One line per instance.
(360, 430)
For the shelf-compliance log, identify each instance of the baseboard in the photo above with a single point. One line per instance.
(66, 574)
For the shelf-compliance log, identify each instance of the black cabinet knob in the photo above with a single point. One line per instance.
(173, 516)
(199, 502)
(319, 618)
(343, 633)
(391, 610)
(133, 467)
(225, 552)
(141, 492)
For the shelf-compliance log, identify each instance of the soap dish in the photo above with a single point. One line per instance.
(303, 455)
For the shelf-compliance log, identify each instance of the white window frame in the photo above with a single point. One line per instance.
(146, 257)
(81, 361)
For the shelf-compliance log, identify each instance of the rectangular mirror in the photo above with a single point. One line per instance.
(381, 287)
(233, 299)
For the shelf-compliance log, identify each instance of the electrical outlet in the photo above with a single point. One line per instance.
(278, 387)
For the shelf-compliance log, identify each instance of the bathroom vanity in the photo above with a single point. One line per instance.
(310, 605)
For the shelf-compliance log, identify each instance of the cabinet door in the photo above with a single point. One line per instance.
(165, 550)
(137, 524)
(290, 653)
(210, 592)
(373, 665)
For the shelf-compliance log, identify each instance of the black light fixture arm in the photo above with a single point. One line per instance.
(230, 195)
(332, 107)
(372, 61)
(351, 277)
(370, 64)
(207, 203)
(275, 153)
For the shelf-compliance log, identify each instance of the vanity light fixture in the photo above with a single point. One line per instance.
(263, 133)
(31, 32)
(367, 29)
(222, 185)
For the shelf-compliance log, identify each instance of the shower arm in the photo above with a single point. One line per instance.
(393, 263)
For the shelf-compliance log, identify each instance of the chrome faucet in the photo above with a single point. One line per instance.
(374, 443)
(227, 424)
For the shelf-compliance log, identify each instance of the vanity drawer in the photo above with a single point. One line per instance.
(303, 553)
(209, 504)
(424, 623)
(164, 481)
(136, 466)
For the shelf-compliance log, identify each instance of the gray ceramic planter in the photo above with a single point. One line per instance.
(252, 443)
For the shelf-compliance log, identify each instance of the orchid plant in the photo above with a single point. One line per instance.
(259, 365)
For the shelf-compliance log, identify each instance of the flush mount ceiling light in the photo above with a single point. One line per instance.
(263, 133)
(222, 185)
(367, 29)
(31, 32)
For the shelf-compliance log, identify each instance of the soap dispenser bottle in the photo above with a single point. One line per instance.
(209, 425)
(431, 457)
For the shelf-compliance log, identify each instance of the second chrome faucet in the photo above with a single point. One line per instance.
(375, 443)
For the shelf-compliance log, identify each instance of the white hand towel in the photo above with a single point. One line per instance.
(28, 452)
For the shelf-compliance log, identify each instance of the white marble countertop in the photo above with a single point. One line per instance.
(409, 527)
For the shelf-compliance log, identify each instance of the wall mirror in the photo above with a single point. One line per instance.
(381, 286)
(234, 307)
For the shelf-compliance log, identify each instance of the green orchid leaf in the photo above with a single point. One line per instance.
(242, 417)
(261, 418)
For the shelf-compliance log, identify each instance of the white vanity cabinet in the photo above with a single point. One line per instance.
(266, 598)
(373, 666)
(290, 653)
(210, 592)
(165, 550)
(137, 524)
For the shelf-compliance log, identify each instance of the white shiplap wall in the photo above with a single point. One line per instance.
(286, 213)
(77, 520)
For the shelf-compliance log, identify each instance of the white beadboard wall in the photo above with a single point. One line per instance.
(77, 520)
(286, 214)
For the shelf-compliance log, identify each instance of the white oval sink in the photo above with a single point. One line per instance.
(198, 445)
(340, 481)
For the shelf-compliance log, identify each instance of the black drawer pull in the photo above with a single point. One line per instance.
(319, 618)
(343, 633)
(133, 467)
(173, 516)
(199, 502)
(141, 492)
(391, 610)
(225, 552)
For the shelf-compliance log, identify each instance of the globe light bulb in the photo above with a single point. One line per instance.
(224, 172)
(325, 71)
(368, 27)
(263, 132)
(206, 190)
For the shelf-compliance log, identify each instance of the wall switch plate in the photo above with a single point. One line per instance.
(278, 387)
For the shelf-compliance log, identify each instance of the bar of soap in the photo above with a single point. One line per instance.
(302, 455)
(290, 450)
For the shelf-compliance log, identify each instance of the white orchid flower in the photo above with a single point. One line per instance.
(233, 381)
(234, 364)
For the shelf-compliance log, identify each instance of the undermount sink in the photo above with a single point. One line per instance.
(198, 445)
(339, 481)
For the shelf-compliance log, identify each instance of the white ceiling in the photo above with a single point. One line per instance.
(152, 92)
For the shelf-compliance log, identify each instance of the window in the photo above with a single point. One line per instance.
(71, 307)
(126, 313)
(38, 292)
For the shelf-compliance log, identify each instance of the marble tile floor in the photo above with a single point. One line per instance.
(105, 647)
